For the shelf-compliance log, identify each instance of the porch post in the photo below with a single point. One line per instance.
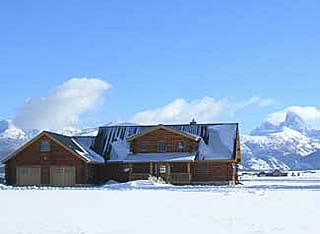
(130, 171)
(168, 173)
(189, 171)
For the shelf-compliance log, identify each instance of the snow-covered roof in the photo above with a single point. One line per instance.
(157, 157)
(221, 143)
(217, 141)
(84, 143)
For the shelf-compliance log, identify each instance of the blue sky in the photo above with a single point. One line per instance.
(153, 52)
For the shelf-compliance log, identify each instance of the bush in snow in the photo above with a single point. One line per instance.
(156, 180)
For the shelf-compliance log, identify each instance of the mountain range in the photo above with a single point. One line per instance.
(290, 144)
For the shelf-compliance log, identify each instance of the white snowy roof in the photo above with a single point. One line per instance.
(85, 151)
(157, 157)
(221, 145)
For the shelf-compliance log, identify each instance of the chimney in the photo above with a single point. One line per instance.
(193, 122)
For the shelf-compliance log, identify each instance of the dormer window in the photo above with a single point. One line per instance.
(143, 147)
(162, 147)
(181, 146)
(45, 146)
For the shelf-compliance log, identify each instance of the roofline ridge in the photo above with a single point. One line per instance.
(186, 124)
(55, 133)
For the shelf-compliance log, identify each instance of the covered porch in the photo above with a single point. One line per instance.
(171, 172)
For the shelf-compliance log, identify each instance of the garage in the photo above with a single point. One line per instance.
(28, 176)
(62, 176)
(52, 159)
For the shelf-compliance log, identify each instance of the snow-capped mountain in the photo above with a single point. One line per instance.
(292, 121)
(291, 144)
(11, 138)
(8, 130)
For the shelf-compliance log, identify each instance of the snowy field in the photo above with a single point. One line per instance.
(261, 205)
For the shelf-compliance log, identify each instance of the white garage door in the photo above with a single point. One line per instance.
(62, 176)
(28, 176)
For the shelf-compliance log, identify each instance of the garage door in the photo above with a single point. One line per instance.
(28, 176)
(62, 176)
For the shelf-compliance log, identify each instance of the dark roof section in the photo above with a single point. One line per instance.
(108, 134)
(65, 140)
(77, 145)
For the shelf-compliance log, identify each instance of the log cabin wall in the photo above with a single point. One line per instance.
(213, 172)
(113, 171)
(57, 156)
(178, 173)
(171, 139)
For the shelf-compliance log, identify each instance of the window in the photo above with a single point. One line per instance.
(59, 171)
(162, 147)
(181, 146)
(45, 146)
(163, 169)
(143, 147)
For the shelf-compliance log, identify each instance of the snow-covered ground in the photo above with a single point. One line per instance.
(261, 205)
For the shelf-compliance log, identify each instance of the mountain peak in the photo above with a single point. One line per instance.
(292, 117)
(4, 125)
(292, 120)
(9, 130)
(295, 122)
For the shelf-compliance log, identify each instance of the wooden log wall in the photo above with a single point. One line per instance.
(171, 139)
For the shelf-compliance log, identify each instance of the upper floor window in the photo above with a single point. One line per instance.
(162, 147)
(45, 146)
(181, 145)
(143, 147)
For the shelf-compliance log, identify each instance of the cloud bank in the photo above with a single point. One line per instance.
(63, 106)
(206, 109)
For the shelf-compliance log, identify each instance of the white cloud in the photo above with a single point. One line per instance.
(310, 114)
(63, 106)
(203, 110)
(260, 102)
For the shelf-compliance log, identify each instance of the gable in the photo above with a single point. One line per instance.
(163, 130)
(161, 140)
(162, 135)
(32, 150)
